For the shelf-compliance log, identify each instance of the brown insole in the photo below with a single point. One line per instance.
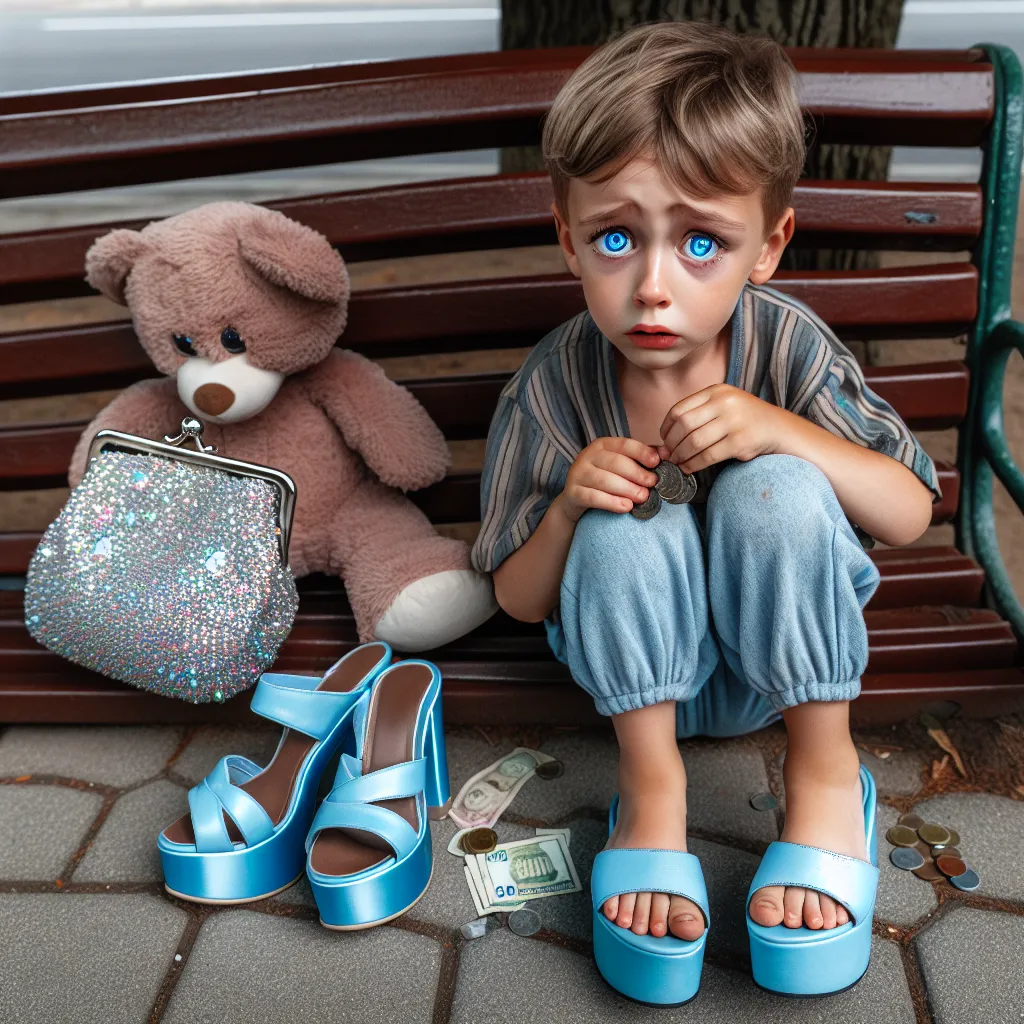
(389, 731)
(272, 788)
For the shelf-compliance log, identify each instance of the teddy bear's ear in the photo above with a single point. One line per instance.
(293, 256)
(110, 259)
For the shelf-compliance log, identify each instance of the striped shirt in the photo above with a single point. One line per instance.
(566, 395)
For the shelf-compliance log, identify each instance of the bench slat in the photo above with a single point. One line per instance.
(119, 135)
(514, 210)
(930, 301)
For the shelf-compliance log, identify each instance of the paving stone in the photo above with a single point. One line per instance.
(721, 777)
(570, 914)
(297, 895)
(903, 898)
(981, 948)
(42, 828)
(727, 875)
(505, 977)
(256, 968)
(899, 774)
(990, 828)
(211, 742)
(75, 957)
(115, 755)
(125, 850)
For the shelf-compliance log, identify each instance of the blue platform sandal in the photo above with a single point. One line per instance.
(369, 851)
(655, 970)
(813, 962)
(242, 839)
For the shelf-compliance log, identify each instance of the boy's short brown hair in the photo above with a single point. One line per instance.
(719, 112)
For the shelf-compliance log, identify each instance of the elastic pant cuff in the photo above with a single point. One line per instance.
(806, 692)
(616, 703)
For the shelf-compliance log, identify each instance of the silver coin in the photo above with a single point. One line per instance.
(968, 881)
(647, 509)
(524, 922)
(479, 928)
(907, 858)
(764, 802)
(675, 486)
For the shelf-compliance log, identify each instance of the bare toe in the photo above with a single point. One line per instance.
(685, 919)
(766, 906)
(660, 904)
(611, 907)
(626, 903)
(641, 913)
(842, 915)
(812, 910)
(828, 910)
(793, 907)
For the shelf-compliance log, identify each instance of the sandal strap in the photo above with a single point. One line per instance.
(216, 795)
(390, 826)
(636, 870)
(848, 880)
(296, 703)
(398, 780)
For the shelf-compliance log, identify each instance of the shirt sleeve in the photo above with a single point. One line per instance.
(841, 402)
(523, 473)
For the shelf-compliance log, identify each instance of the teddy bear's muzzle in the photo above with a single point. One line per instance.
(213, 399)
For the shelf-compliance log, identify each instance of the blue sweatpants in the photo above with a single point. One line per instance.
(735, 611)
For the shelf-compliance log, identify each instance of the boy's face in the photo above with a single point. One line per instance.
(650, 255)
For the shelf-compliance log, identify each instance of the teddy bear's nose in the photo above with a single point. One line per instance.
(213, 399)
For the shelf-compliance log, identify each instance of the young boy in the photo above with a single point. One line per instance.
(673, 153)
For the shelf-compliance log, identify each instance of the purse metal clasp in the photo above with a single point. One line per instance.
(191, 428)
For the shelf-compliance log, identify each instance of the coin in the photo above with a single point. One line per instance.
(524, 922)
(950, 866)
(647, 509)
(924, 849)
(929, 872)
(906, 858)
(674, 486)
(549, 769)
(764, 802)
(479, 928)
(914, 821)
(900, 835)
(480, 840)
(934, 835)
(953, 840)
(967, 881)
(946, 851)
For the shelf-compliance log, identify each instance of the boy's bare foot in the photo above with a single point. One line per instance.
(653, 818)
(824, 808)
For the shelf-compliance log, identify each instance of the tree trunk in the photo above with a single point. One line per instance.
(530, 24)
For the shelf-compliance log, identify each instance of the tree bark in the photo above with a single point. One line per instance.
(529, 24)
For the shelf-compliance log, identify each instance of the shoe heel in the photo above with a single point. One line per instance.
(437, 790)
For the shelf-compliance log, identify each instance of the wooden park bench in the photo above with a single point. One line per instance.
(944, 625)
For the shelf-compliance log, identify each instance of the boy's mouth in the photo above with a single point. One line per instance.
(652, 336)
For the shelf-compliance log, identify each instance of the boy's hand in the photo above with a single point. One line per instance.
(609, 473)
(717, 423)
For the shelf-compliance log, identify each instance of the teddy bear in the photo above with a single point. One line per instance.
(239, 307)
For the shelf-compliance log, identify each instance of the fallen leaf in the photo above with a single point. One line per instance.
(23, 778)
(938, 767)
(940, 736)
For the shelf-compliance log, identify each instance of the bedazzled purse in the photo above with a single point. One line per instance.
(167, 568)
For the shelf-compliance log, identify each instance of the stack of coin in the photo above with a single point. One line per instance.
(930, 851)
(673, 486)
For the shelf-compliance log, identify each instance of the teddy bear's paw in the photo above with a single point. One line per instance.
(437, 609)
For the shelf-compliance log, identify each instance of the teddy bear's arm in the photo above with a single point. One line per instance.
(381, 420)
(149, 408)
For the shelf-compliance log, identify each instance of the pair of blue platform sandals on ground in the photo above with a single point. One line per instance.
(251, 832)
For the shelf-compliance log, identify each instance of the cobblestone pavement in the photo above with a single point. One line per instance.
(88, 934)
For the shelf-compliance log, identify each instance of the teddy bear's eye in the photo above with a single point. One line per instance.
(231, 340)
(184, 344)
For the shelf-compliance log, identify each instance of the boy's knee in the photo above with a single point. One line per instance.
(778, 494)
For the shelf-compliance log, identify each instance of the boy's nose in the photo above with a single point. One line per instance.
(651, 289)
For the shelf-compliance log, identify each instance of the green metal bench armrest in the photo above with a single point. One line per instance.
(995, 457)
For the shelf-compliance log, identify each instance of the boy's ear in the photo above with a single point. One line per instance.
(565, 240)
(773, 248)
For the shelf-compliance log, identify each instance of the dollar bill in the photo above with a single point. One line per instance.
(481, 905)
(481, 801)
(526, 869)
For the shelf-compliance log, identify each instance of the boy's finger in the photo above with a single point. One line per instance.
(688, 404)
(629, 469)
(680, 428)
(633, 448)
(708, 457)
(590, 497)
(611, 483)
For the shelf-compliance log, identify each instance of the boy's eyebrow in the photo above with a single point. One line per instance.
(714, 219)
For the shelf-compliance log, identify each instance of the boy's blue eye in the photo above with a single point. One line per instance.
(701, 247)
(616, 243)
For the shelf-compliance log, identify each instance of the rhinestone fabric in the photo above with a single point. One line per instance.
(164, 575)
